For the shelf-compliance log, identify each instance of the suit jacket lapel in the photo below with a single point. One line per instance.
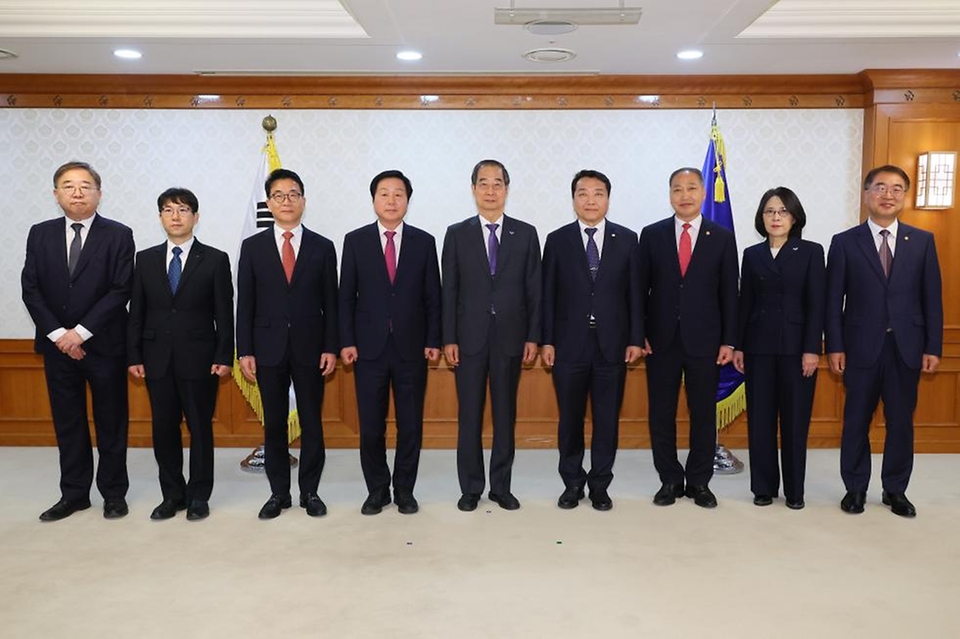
(307, 247)
(507, 242)
(408, 250)
(155, 266)
(904, 250)
(95, 238)
(475, 239)
(576, 247)
(869, 248)
(193, 263)
(610, 246)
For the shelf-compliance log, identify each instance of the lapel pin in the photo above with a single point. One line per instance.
(906, 237)
(706, 232)
(795, 248)
(510, 232)
(613, 235)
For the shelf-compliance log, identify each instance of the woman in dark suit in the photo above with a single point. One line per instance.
(782, 288)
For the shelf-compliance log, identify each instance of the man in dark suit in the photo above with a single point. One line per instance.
(287, 331)
(884, 326)
(76, 283)
(390, 326)
(591, 331)
(180, 339)
(688, 284)
(491, 323)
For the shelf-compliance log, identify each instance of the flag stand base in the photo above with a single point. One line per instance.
(725, 462)
(253, 463)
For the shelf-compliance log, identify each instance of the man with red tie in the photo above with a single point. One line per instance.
(390, 327)
(287, 331)
(688, 287)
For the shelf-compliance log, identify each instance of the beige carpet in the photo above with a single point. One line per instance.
(637, 571)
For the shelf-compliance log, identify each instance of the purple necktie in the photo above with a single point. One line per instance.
(493, 247)
(593, 253)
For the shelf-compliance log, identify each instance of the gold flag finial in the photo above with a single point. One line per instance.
(269, 124)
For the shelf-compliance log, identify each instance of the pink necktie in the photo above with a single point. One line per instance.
(390, 255)
(686, 250)
(886, 255)
(287, 256)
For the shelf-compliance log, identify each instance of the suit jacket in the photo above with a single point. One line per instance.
(782, 300)
(862, 303)
(570, 295)
(703, 304)
(187, 332)
(95, 296)
(272, 314)
(371, 307)
(469, 291)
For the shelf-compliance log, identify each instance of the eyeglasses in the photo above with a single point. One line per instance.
(781, 212)
(280, 198)
(70, 189)
(182, 211)
(882, 189)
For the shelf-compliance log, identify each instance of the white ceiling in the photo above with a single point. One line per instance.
(459, 36)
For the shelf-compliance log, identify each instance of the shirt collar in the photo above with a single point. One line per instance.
(484, 222)
(185, 247)
(382, 229)
(694, 223)
(600, 226)
(86, 223)
(278, 231)
(876, 228)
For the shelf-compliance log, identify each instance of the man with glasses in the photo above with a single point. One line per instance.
(180, 340)
(76, 284)
(287, 331)
(884, 326)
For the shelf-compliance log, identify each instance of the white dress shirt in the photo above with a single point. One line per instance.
(694, 231)
(878, 239)
(294, 241)
(397, 239)
(57, 333)
(185, 247)
(486, 232)
(597, 237)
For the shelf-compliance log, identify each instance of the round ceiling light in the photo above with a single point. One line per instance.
(550, 27)
(550, 54)
(7, 55)
(128, 54)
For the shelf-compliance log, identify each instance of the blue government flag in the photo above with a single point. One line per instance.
(731, 395)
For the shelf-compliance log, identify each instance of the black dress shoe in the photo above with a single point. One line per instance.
(274, 506)
(468, 502)
(63, 509)
(899, 504)
(795, 505)
(376, 501)
(571, 497)
(198, 509)
(506, 501)
(853, 502)
(115, 508)
(405, 501)
(313, 504)
(668, 494)
(762, 500)
(702, 496)
(600, 499)
(167, 509)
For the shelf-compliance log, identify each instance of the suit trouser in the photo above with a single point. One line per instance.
(603, 381)
(471, 377)
(66, 385)
(667, 366)
(896, 383)
(778, 391)
(274, 383)
(172, 399)
(374, 378)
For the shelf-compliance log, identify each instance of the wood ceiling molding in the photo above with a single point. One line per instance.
(911, 86)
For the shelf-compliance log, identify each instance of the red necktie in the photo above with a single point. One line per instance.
(390, 255)
(287, 256)
(686, 250)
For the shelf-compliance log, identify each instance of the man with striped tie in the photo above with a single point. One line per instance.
(180, 340)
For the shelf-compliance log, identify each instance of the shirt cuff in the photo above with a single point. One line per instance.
(83, 332)
(56, 334)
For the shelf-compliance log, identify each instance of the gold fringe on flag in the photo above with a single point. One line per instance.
(730, 407)
(250, 391)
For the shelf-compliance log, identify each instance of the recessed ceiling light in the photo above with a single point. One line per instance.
(128, 54)
(409, 56)
(690, 54)
(550, 54)
(550, 27)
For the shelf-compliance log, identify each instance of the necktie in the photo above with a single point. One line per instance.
(493, 248)
(886, 256)
(176, 268)
(75, 245)
(287, 256)
(593, 253)
(390, 255)
(686, 250)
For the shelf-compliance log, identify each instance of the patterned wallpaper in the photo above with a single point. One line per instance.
(140, 153)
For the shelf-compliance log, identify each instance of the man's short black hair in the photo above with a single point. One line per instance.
(178, 195)
(386, 175)
(886, 168)
(589, 173)
(282, 174)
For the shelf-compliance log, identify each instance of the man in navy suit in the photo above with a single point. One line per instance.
(491, 323)
(287, 331)
(884, 326)
(390, 326)
(180, 340)
(688, 287)
(76, 284)
(591, 331)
